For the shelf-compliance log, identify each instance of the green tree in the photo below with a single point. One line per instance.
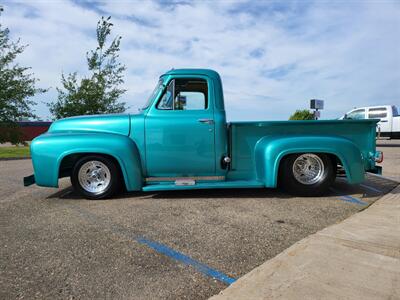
(303, 114)
(98, 93)
(17, 86)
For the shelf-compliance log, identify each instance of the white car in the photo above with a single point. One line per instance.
(389, 124)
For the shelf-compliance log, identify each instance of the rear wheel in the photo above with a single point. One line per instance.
(95, 177)
(307, 174)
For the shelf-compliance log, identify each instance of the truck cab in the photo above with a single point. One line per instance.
(181, 140)
(186, 123)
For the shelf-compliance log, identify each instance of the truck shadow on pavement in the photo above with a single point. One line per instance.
(372, 188)
(69, 193)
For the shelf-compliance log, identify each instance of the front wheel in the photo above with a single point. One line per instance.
(307, 174)
(95, 177)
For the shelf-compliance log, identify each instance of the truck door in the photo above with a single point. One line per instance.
(385, 123)
(179, 131)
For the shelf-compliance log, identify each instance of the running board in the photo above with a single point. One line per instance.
(205, 185)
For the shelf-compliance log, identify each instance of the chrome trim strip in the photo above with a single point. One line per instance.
(196, 178)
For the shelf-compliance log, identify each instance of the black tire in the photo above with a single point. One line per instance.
(288, 181)
(112, 186)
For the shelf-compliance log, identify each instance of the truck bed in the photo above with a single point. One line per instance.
(244, 135)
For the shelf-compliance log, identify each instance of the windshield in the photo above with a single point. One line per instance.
(155, 92)
(357, 114)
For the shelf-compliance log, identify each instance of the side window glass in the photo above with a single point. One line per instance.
(166, 102)
(377, 113)
(185, 94)
(356, 114)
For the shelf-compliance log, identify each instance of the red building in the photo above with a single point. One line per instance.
(32, 129)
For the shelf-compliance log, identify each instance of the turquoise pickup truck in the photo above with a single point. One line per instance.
(180, 140)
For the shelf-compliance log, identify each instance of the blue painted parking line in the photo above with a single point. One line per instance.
(160, 248)
(367, 187)
(349, 198)
(352, 199)
(371, 188)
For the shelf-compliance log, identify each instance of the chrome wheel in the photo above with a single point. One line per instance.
(308, 168)
(94, 176)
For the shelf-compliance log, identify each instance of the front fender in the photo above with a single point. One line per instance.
(270, 150)
(48, 151)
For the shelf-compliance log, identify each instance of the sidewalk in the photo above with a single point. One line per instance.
(358, 258)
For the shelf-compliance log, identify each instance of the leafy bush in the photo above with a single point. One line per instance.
(304, 114)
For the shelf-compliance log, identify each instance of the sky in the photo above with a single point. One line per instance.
(273, 56)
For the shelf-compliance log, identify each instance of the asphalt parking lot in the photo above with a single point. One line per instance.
(169, 245)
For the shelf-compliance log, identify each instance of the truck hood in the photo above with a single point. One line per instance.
(113, 123)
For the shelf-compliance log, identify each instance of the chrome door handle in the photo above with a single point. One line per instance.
(383, 121)
(206, 121)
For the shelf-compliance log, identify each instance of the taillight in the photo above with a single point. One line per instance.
(378, 156)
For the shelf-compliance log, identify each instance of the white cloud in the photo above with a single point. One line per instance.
(345, 53)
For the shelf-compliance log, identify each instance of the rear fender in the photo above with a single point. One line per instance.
(48, 151)
(270, 150)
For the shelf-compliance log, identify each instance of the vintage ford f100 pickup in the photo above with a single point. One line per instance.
(180, 140)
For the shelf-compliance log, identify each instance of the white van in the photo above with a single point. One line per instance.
(389, 124)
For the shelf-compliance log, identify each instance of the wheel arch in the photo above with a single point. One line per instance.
(271, 150)
(129, 165)
(53, 156)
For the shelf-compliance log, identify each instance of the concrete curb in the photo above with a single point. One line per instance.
(358, 258)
